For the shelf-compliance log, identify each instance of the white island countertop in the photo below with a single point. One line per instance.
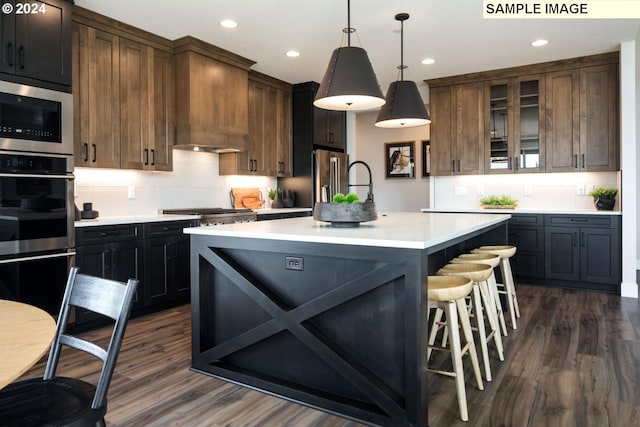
(410, 230)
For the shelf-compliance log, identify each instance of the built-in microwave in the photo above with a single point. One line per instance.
(36, 120)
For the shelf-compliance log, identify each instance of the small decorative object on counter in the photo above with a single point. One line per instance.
(347, 210)
(88, 212)
(246, 198)
(277, 199)
(288, 199)
(498, 202)
(604, 198)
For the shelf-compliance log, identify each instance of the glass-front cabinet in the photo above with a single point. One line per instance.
(500, 138)
(515, 135)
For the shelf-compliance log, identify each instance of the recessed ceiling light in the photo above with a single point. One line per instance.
(293, 54)
(228, 23)
(428, 61)
(539, 42)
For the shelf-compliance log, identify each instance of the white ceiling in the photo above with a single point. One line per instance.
(452, 32)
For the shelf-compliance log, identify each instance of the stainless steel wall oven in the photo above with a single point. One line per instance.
(37, 209)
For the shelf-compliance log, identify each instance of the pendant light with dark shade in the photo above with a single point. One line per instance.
(349, 84)
(403, 106)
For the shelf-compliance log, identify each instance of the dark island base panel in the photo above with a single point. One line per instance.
(346, 334)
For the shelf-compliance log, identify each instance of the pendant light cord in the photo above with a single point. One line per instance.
(402, 17)
(349, 23)
(402, 50)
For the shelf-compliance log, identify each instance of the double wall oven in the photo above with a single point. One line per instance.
(37, 210)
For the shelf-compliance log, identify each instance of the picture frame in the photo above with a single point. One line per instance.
(426, 158)
(399, 159)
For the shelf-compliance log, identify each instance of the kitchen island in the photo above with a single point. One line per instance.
(332, 318)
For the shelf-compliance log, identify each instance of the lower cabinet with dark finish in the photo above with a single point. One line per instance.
(112, 252)
(583, 251)
(526, 232)
(155, 253)
(167, 272)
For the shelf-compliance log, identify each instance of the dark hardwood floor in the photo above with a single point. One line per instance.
(573, 361)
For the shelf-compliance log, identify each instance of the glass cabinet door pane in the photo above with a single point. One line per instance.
(498, 131)
(529, 143)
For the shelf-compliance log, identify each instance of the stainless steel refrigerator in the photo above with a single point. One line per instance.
(317, 170)
(329, 174)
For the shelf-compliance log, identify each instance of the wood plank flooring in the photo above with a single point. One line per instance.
(573, 361)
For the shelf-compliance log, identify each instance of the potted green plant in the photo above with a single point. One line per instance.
(604, 198)
(345, 210)
(498, 202)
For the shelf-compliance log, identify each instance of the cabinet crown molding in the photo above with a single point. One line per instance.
(192, 44)
(542, 67)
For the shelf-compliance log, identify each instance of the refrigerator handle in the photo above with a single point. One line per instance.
(334, 178)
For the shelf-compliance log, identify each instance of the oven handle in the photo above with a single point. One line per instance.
(28, 175)
(35, 257)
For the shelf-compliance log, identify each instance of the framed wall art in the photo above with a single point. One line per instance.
(426, 158)
(399, 159)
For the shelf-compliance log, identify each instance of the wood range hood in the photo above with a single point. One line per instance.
(211, 89)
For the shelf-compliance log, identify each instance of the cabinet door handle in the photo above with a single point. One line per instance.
(509, 163)
(106, 262)
(579, 220)
(21, 57)
(574, 239)
(95, 150)
(146, 156)
(453, 165)
(10, 54)
(582, 239)
(516, 164)
(575, 161)
(583, 165)
(153, 157)
(458, 165)
(86, 152)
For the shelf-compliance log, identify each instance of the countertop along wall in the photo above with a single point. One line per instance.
(194, 182)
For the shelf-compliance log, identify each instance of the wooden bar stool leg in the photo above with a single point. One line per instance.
(437, 324)
(456, 358)
(470, 346)
(492, 317)
(482, 333)
(513, 288)
(495, 295)
(505, 269)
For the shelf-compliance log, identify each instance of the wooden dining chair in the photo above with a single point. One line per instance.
(62, 401)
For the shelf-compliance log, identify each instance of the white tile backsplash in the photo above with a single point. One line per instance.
(194, 182)
(556, 191)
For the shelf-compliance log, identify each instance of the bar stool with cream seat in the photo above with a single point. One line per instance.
(509, 288)
(447, 294)
(494, 261)
(479, 273)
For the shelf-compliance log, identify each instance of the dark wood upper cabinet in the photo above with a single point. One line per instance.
(36, 47)
(96, 97)
(123, 80)
(563, 120)
(457, 130)
(269, 153)
(599, 122)
(560, 116)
